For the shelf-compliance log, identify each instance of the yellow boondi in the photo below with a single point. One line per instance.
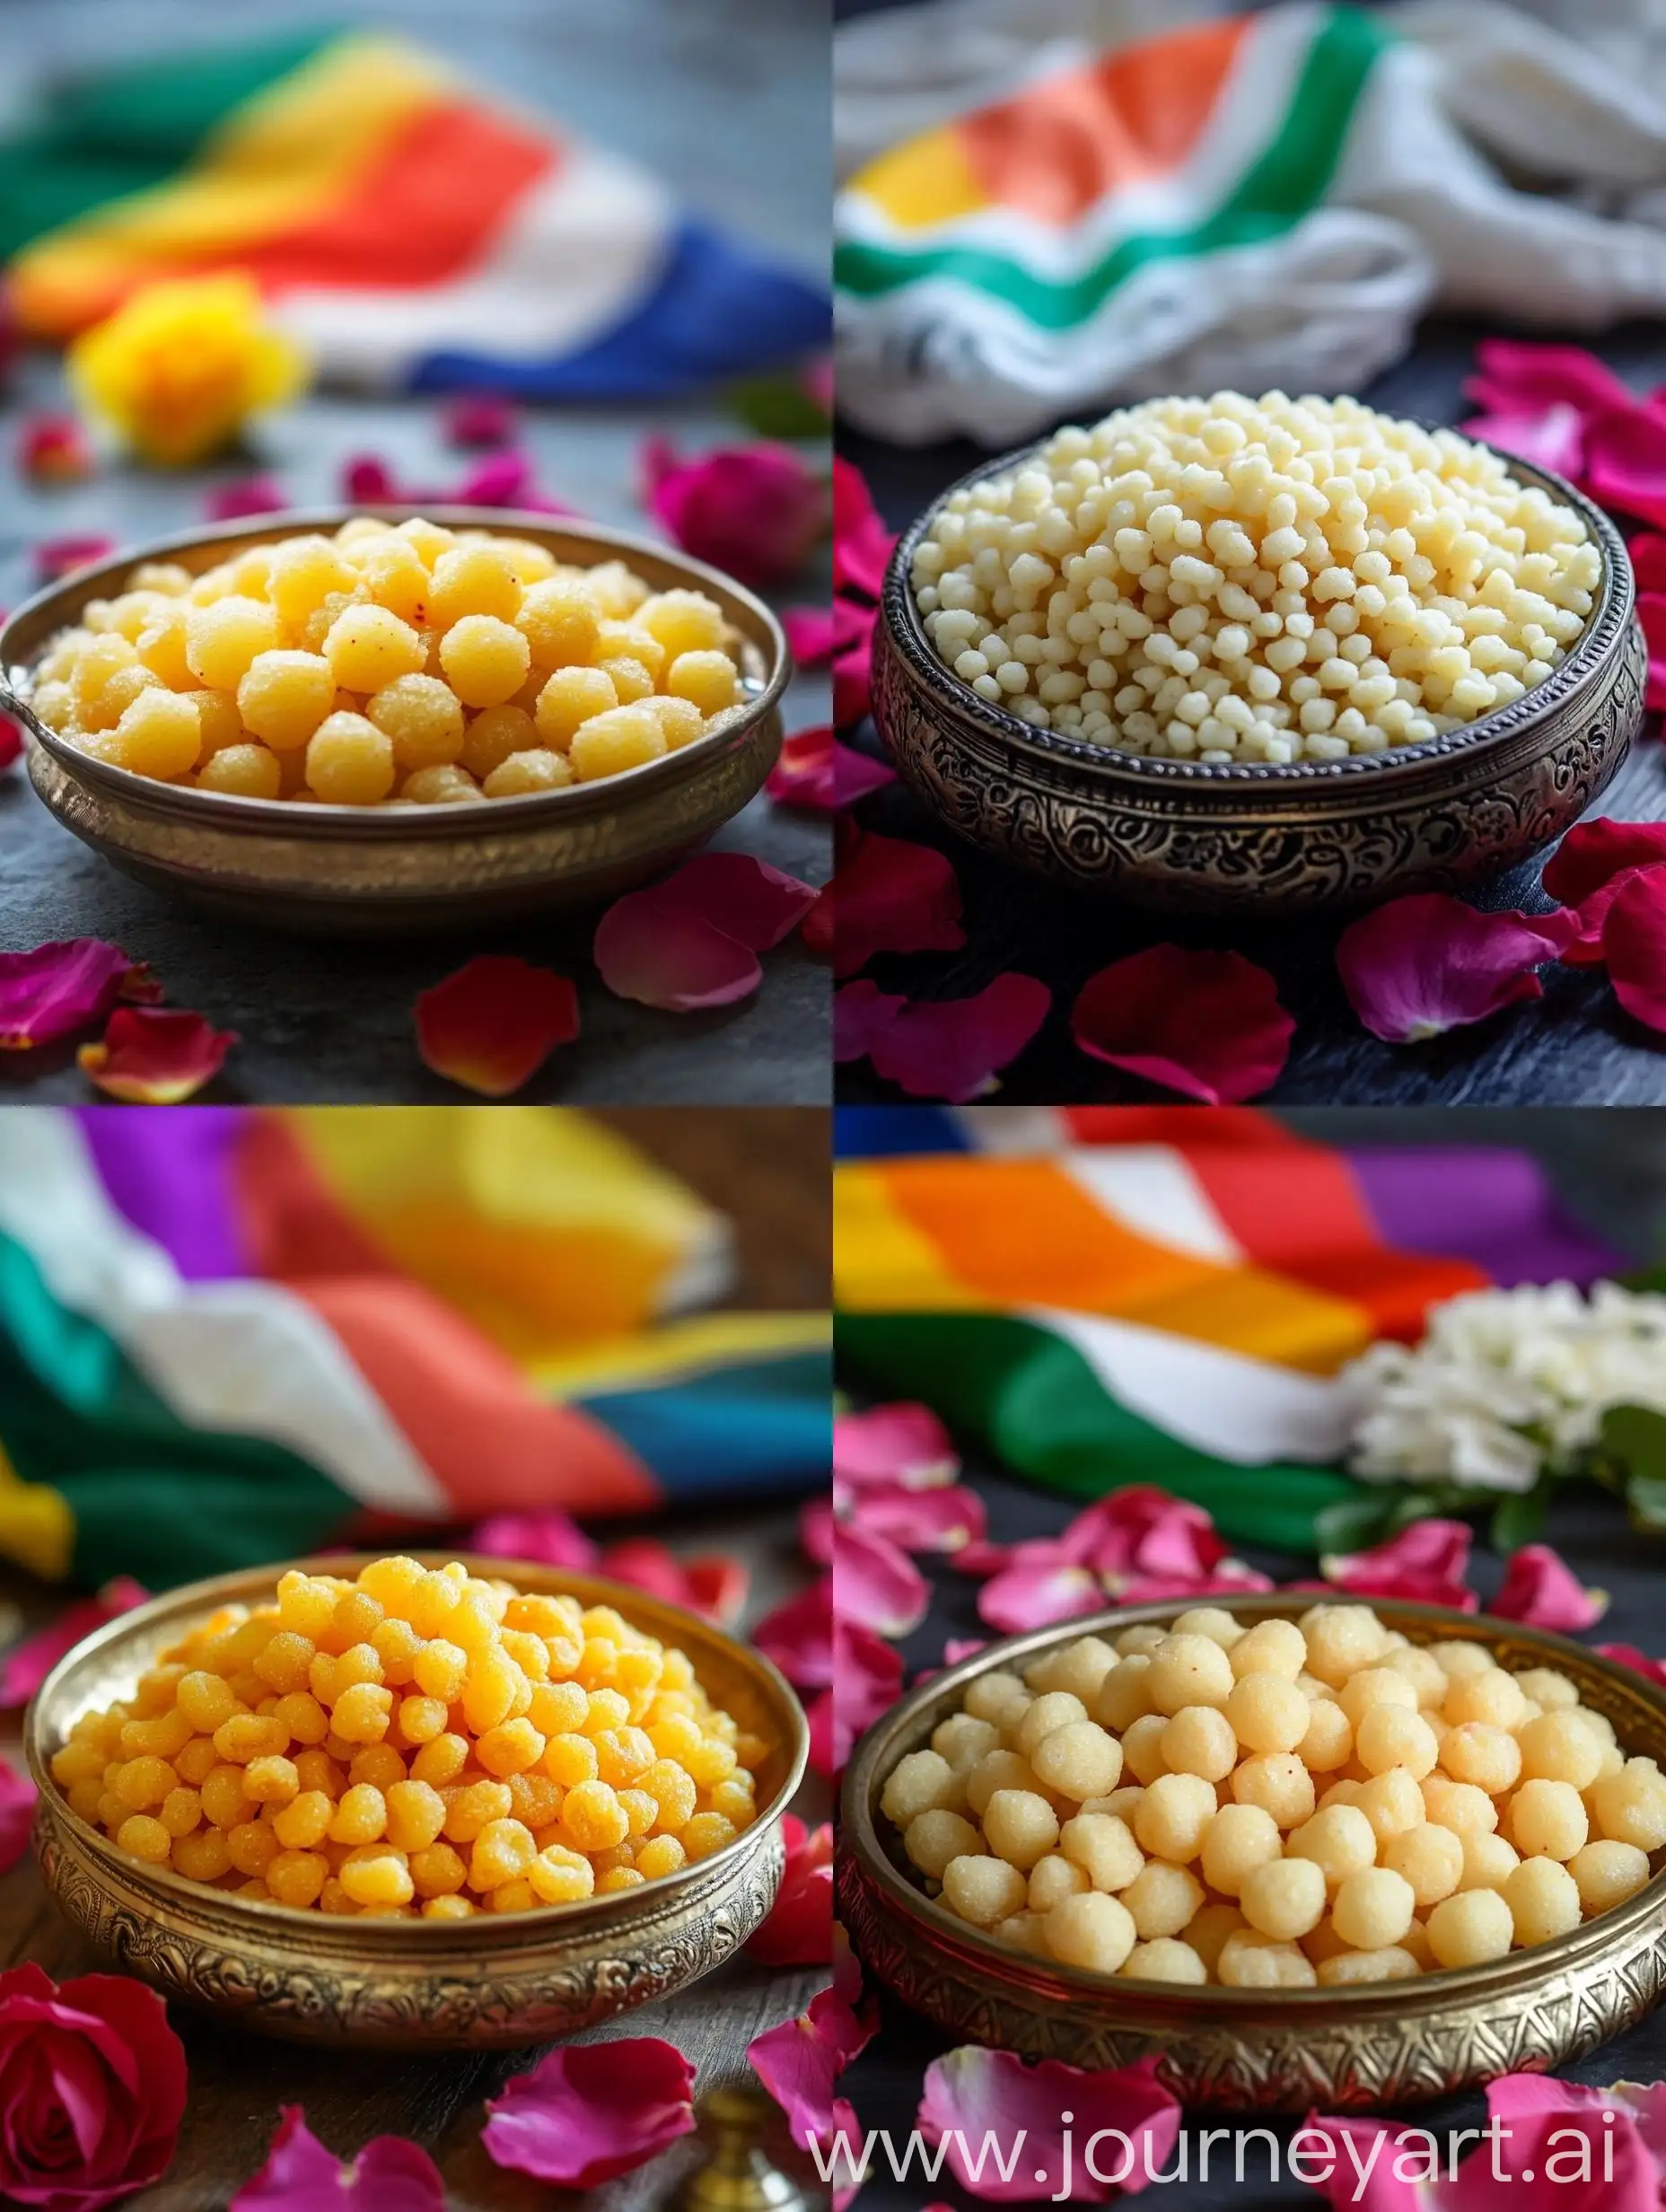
(417, 1742)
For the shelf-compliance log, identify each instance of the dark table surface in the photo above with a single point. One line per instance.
(1575, 1046)
(1611, 1169)
(328, 1020)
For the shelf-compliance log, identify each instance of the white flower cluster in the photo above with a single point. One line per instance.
(1506, 1383)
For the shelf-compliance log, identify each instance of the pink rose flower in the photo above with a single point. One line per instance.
(91, 2089)
(754, 511)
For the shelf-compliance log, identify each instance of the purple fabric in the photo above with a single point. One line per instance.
(1493, 1208)
(170, 1172)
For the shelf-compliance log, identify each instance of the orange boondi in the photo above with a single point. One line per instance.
(415, 1741)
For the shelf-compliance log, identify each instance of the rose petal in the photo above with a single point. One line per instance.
(1425, 1563)
(589, 2111)
(799, 2062)
(53, 449)
(17, 1814)
(27, 1665)
(815, 770)
(156, 1056)
(390, 2174)
(478, 418)
(1648, 560)
(547, 1536)
(55, 988)
(1521, 374)
(492, 1024)
(1034, 1597)
(250, 495)
(853, 663)
(367, 481)
(862, 545)
(692, 941)
(754, 511)
(1540, 1588)
(504, 480)
(1634, 945)
(11, 741)
(866, 1682)
(815, 1530)
(1652, 615)
(892, 895)
(1206, 1025)
(991, 2102)
(875, 1583)
(943, 1047)
(903, 1444)
(1421, 966)
(936, 1519)
(1628, 1656)
(809, 634)
(716, 1587)
(1625, 461)
(797, 1636)
(817, 934)
(1593, 852)
(57, 557)
(1553, 437)
(798, 1928)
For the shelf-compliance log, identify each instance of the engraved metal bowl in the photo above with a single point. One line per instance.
(1230, 838)
(495, 1981)
(388, 871)
(1387, 2044)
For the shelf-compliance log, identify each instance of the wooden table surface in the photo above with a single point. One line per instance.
(767, 1170)
(1574, 1047)
(319, 1019)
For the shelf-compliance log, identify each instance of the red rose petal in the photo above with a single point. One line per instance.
(1424, 1564)
(57, 557)
(853, 674)
(862, 545)
(866, 1682)
(28, 1663)
(798, 1929)
(55, 988)
(797, 1636)
(1540, 1588)
(815, 770)
(713, 1586)
(893, 896)
(811, 633)
(547, 1536)
(692, 941)
(1424, 965)
(754, 511)
(875, 1583)
(17, 1814)
(1652, 615)
(945, 1048)
(1593, 852)
(156, 1056)
(11, 741)
(391, 2174)
(589, 2111)
(492, 1024)
(1648, 560)
(1206, 1025)
(1634, 945)
(799, 2062)
(53, 449)
(1047, 2113)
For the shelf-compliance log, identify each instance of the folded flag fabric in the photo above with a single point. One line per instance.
(1261, 199)
(1104, 1296)
(229, 1335)
(416, 235)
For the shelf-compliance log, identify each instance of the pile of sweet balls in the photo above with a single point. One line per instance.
(1254, 579)
(1299, 1803)
(404, 662)
(415, 1741)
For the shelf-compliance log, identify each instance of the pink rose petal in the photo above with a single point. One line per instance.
(811, 633)
(866, 1682)
(589, 2111)
(53, 449)
(27, 1665)
(1634, 945)
(713, 1586)
(1626, 461)
(53, 989)
(815, 1530)
(852, 662)
(1540, 1588)
(547, 1536)
(693, 939)
(57, 557)
(478, 418)
(506, 479)
(1648, 560)
(1421, 966)
(797, 1636)
(943, 1047)
(1628, 1656)
(17, 1814)
(946, 1519)
(1424, 1564)
(390, 2174)
(1206, 1025)
(862, 545)
(1593, 852)
(815, 770)
(1035, 1595)
(1552, 438)
(250, 495)
(367, 481)
(798, 1928)
(753, 511)
(904, 1445)
(891, 895)
(799, 2062)
(1524, 375)
(1017, 2115)
(875, 1583)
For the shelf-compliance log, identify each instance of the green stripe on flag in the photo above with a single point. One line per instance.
(1287, 181)
(123, 129)
(152, 1495)
(1034, 1402)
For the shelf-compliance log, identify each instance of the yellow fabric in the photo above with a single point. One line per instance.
(37, 1527)
(881, 1263)
(680, 1349)
(927, 181)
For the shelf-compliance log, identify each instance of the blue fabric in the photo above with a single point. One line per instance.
(765, 1428)
(881, 1132)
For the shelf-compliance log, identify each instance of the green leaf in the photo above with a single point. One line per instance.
(1646, 1495)
(1647, 1279)
(1634, 1440)
(1354, 1524)
(778, 407)
(1518, 1519)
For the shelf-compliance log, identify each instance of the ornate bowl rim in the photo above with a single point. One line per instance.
(30, 627)
(904, 1728)
(161, 1617)
(1237, 781)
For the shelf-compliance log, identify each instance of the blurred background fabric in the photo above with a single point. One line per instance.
(1051, 206)
(228, 1336)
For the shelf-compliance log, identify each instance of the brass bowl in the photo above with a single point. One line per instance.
(1388, 2043)
(389, 870)
(1228, 838)
(493, 1981)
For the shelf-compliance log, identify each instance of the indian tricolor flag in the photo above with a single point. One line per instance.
(1102, 1296)
(416, 235)
(1021, 260)
(233, 1335)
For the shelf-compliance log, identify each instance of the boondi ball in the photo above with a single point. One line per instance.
(494, 671)
(289, 1753)
(1307, 1803)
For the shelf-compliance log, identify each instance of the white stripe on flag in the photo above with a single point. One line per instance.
(1242, 1410)
(1011, 1132)
(1152, 1189)
(245, 1357)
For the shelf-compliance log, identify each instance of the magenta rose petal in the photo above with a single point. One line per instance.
(797, 1636)
(1542, 1590)
(1626, 461)
(892, 895)
(946, 1519)
(746, 898)
(478, 418)
(862, 545)
(1652, 615)
(27, 1665)
(875, 1583)
(57, 557)
(547, 1536)
(367, 481)
(798, 1928)
(866, 1682)
(1634, 945)
(1593, 852)
(587, 2112)
(1421, 966)
(249, 495)
(17, 1813)
(1639, 1661)
(799, 2062)
(1648, 560)
(812, 634)
(754, 511)
(1519, 373)
(505, 480)
(1424, 1564)
(1206, 1025)
(391, 2174)
(975, 2098)
(946, 1048)
(53, 989)
(660, 954)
